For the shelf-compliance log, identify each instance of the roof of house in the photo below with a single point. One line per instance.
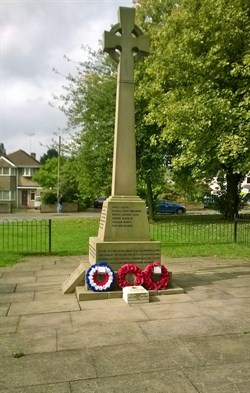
(5, 162)
(22, 159)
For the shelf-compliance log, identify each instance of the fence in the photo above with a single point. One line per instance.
(34, 236)
(185, 232)
(25, 236)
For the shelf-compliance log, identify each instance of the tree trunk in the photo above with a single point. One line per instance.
(232, 201)
(150, 198)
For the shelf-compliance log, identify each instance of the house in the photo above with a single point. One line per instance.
(16, 184)
(245, 185)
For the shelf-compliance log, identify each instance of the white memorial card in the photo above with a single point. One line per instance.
(157, 269)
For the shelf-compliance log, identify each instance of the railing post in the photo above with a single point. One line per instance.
(235, 228)
(49, 235)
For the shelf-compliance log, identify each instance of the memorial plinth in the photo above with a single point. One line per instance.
(123, 235)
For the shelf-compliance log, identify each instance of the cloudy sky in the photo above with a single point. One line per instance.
(35, 35)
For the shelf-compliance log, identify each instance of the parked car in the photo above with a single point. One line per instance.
(164, 206)
(98, 202)
(37, 202)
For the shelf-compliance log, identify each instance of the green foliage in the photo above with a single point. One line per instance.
(47, 177)
(47, 174)
(197, 85)
(49, 198)
(90, 106)
(18, 354)
(51, 152)
(89, 103)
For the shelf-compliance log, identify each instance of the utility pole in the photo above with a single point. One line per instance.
(58, 167)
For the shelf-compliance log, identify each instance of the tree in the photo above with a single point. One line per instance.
(2, 150)
(51, 152)
(197, 86)
(89, 104)
(47, 174)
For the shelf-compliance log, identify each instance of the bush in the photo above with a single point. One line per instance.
(49, 198)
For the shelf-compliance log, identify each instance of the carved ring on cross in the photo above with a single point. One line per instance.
(113, 52)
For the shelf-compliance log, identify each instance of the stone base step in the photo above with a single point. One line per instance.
(84, 294)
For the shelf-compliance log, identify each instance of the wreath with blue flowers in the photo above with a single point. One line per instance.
(100, 277)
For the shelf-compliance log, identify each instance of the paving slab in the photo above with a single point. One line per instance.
(103, 303)
(15, 278)
(163, 329)
(139, 358)
(64, 270)
(8, 324)
(48, 388)
(205, 292)
(232, 378)
(171, 310)
(26, 267)
(16, 274)
(7, 288)
(156, 382)
(174, 298)
(118, 315)
(58, 278)
(216, 350)
(44, 321)
(214, 307)
(42, 286)
(16, 297)
(46, 368)
(99, 335)
(4, 309)
(51, 293)
(34, 342)
(239, 292)
(44, 306)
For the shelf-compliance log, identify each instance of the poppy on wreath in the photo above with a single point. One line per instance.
(125, 273)
(151, 269)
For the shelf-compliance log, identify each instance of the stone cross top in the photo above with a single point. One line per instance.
(125, 43)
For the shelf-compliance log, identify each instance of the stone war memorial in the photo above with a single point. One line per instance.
(123, 235)
(122, 256)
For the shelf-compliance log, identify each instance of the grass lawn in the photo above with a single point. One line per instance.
(71, 236)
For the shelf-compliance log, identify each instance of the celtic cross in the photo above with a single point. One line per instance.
(125, 43)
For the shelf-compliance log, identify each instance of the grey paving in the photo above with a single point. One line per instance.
(198, 341)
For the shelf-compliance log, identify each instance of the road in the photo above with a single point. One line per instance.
(33, 214)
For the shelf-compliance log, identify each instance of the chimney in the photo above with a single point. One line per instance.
(33, 155)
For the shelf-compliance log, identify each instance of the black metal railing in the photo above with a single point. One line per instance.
(185, 232)
(35, 237)
(25, 236)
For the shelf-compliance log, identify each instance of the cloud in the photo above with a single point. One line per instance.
(35, 36)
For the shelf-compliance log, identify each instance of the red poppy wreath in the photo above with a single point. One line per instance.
(148, 281)
(127, 271)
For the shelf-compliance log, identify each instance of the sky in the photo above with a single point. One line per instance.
(35, 37)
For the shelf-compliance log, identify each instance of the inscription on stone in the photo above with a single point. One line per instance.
(121, 256)
(123, 216)
(135, 295)
(103, 217)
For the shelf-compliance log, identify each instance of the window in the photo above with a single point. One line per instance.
(5, 171)
(248, 180)
(7, 195)
(28, 172)
(32, 195)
